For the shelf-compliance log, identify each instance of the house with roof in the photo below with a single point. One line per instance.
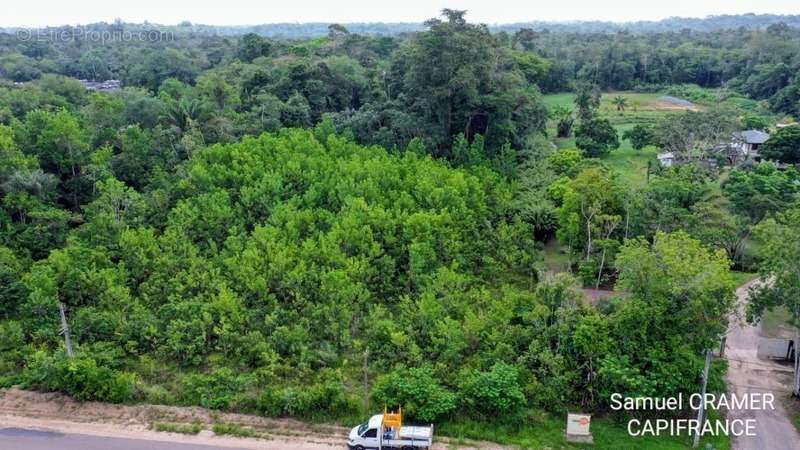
(743, 146)
(107, 85)
(749, 142)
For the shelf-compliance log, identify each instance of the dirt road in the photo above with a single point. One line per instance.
(747, 373)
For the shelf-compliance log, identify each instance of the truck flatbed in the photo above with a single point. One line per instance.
(375, 434)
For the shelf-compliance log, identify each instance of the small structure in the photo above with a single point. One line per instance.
(749, 142)
(578, 428)
(743, 146)
(666, 159)
(783, 350)
(107, 85)
(778, 349)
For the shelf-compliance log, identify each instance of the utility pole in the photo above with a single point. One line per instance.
(796, 384)
(796, 390)
(366, 380)
(701, 411)
(65, 331)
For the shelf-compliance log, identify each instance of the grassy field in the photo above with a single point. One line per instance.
(743, 277)
(630, 164)
(642, 107)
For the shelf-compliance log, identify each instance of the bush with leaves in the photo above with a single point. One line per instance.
(418, 391)
(596, 137)
(218, 390)
(640, 136)
(80, 377)
(680, 297)
(783, 145)
(324, 398)
(493, 394)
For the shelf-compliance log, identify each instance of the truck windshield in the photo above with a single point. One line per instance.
(362, 428)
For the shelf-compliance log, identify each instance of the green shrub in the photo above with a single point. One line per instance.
(587, 271)
(565, 161)
(596, 137)
(233, 430)
(328, 397)
(79, 377)
(158, 395)
(417, 391)
(11, 336)
(12, 345)
(183, 428)
(217, 390)
(11, 288)
(495, 393)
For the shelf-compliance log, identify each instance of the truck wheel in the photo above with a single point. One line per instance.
(358, 447)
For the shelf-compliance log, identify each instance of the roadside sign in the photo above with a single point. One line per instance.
(578, 424)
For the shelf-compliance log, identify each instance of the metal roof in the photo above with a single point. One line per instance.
(754, 136)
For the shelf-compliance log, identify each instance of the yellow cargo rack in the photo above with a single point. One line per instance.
(393, 419)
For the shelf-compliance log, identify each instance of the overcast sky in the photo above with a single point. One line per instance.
(249, 12)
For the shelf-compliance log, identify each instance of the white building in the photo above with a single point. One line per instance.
(666, 159)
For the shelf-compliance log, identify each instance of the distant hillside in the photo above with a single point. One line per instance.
(710, 23)
(317, 29)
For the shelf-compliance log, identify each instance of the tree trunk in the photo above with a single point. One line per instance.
(600, 272)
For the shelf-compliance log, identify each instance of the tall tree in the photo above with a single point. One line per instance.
(620, 102)
(779, 268)
(783, 145)
(596, 137)
(459, 80)
(587, 100)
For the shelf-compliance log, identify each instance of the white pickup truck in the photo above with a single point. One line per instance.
(382, 434)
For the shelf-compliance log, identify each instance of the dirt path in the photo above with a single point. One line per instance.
(58, 413)
(747, 373)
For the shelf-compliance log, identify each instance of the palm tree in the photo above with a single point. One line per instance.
(33, 182)
(620, 102)
(564, 120)
(181, 112)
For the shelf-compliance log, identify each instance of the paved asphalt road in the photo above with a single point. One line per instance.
(747, 373)
(21, 439)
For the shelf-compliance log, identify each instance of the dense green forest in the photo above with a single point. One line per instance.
(247, 217)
